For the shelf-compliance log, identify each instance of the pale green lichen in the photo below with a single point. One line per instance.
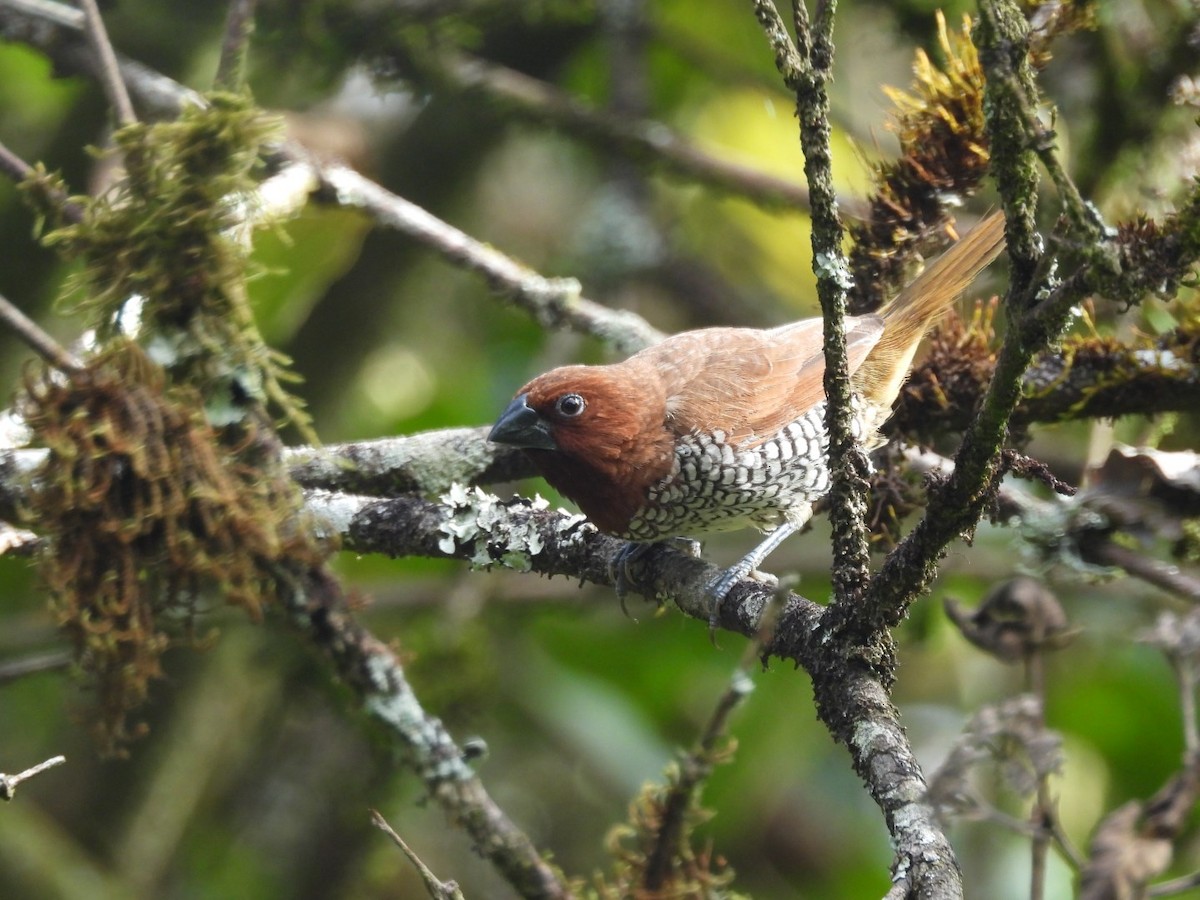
(485, 525)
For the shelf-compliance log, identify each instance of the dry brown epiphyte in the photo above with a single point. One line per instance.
(943, 157)
(146, 516)
(1018, 617)
(162, 489)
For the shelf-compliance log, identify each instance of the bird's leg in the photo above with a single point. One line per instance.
(720, 586)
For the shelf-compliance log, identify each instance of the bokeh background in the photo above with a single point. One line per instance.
(257, 774)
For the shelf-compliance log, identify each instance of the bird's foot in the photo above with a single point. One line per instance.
(621, 567)
(719, 588)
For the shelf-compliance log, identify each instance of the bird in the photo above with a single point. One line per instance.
(723, 428)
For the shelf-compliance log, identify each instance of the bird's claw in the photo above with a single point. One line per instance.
(619, 570)
(621, 567)
(719, 588)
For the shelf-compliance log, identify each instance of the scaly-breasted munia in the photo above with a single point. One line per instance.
(722, 428)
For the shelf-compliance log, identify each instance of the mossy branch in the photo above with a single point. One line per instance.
(853, 660)
(848, 462)
(1010, 105)
(806, 68)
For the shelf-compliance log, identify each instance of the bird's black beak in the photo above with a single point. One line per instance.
(521, 426)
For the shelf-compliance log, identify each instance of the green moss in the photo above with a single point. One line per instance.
(169, 232)
(162, 487)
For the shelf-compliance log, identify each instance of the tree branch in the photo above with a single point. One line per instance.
(640, 139)
(851, 668)
(371, 668)
(37, 339)
(9, 783)
(554, 302)
(239, 26)
(425, 463)
(114, 86)
(847, 463)
(956, 506)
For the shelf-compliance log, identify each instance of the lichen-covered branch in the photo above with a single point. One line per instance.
(371, 668)
(851, 667)
(956, 505)
(526, 535)
(425, 463)
(1102, 378)
(869, 725)
(472, 525)
(848, 464)
(1011, 92)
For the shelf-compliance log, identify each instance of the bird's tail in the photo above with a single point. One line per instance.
(915, 309)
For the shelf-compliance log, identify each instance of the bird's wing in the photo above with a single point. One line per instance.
(750, 383)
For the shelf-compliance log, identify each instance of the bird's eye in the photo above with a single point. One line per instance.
(570, 405)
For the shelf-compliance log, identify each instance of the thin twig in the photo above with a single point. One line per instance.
(8, 783)
(643, 139)
(156, 92)
(38, 340)
(1186, 673)
(18, 171)
(114, 84)
(1165, 576)
(16, 669)
(13, 166)
(1029, 829)
(699, 763)
(239, 25)
(1175, 886)
(554, 302)
(1035, 673)
(1065, 845)
(787, 58)
(438, 889)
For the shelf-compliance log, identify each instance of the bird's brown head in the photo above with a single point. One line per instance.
(598, 434)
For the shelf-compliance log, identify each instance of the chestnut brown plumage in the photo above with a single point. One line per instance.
(723, 428)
